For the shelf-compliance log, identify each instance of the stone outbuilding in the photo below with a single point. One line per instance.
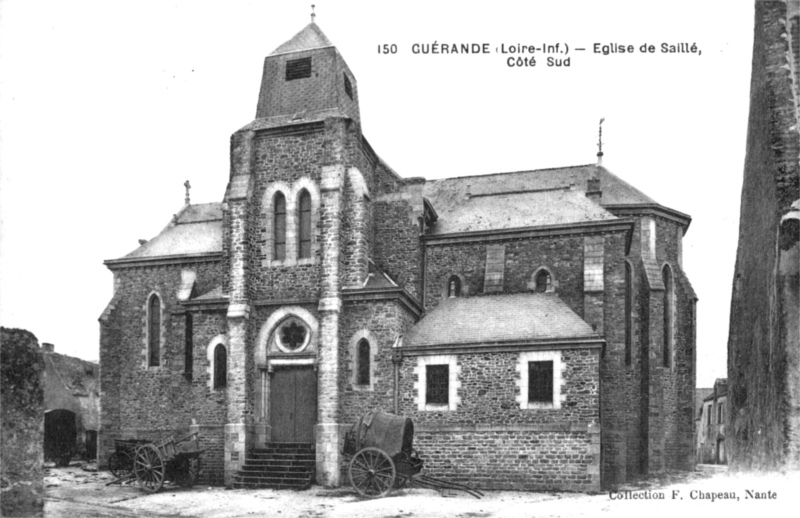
(537, 326)
(72, 407)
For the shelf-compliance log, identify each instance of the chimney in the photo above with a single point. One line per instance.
(593, 191)
(48, 348)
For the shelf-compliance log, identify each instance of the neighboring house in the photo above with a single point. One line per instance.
(537, 326)
(72, 407)
(711, 431)
(764, 340)
(699, 435)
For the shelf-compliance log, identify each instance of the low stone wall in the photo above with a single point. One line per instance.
(22, 424)
(525, 457)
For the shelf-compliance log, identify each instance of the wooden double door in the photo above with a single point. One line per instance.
(293, 404)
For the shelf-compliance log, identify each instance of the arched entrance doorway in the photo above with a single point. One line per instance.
(289, 377)
(60, 434)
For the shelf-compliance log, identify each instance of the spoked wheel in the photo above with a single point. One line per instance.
(187, 471)
(120, 464)
(372, 472)
(149, 468)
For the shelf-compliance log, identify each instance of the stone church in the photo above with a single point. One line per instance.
(537, 326)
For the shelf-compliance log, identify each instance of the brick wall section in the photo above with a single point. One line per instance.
(22, 412)
(144, 402)
(760, 389)
(523, 460)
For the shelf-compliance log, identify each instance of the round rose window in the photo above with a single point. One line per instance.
(292, 336)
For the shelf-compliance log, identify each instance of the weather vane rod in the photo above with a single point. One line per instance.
(600, 143)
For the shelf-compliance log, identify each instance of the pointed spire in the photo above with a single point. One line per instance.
(312, 13)
(600, 144)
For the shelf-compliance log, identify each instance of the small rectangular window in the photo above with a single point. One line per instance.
(540, 382)
(348, 88)
(298, 69)
(437, 384)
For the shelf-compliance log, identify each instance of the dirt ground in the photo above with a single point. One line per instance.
(77, 491)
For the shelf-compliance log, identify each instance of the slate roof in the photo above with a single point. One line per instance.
(198, 229)
(73, 372)
(498, 318)
(310, 37)
(527, 198)
(515, 210)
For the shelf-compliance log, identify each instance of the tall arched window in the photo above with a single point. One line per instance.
(220, 366)
(669, 315)
(304, 243)
(279, 203)
(363, 362)
(543, 281)
(628, 312)
(453, 287)
(154, 331)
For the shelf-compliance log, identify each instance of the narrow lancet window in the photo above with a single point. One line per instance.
(305, 225)
(280, 227)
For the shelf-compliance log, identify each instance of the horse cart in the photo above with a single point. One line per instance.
(153, 463)
(382, 458)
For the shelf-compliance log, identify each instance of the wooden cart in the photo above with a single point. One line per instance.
(383, 458)
(120, 463)
(170, 460)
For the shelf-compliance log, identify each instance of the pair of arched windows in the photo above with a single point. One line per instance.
(279, 227)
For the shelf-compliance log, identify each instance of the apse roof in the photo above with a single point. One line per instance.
(490, 319)
(197, 230)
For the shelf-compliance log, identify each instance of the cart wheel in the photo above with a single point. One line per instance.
(372, 472)
(149, 468)
(188, 471)
(120, 464)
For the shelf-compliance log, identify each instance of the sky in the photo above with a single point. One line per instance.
(107, 108)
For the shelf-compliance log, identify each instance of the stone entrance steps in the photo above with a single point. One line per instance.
(278, 466)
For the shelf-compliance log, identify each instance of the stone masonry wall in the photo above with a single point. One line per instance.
(762, 366)
(152, 402)
(492, 443)
(561, 255)
(22, 418)
(380, 322)
(488, 391)
(517, 458)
